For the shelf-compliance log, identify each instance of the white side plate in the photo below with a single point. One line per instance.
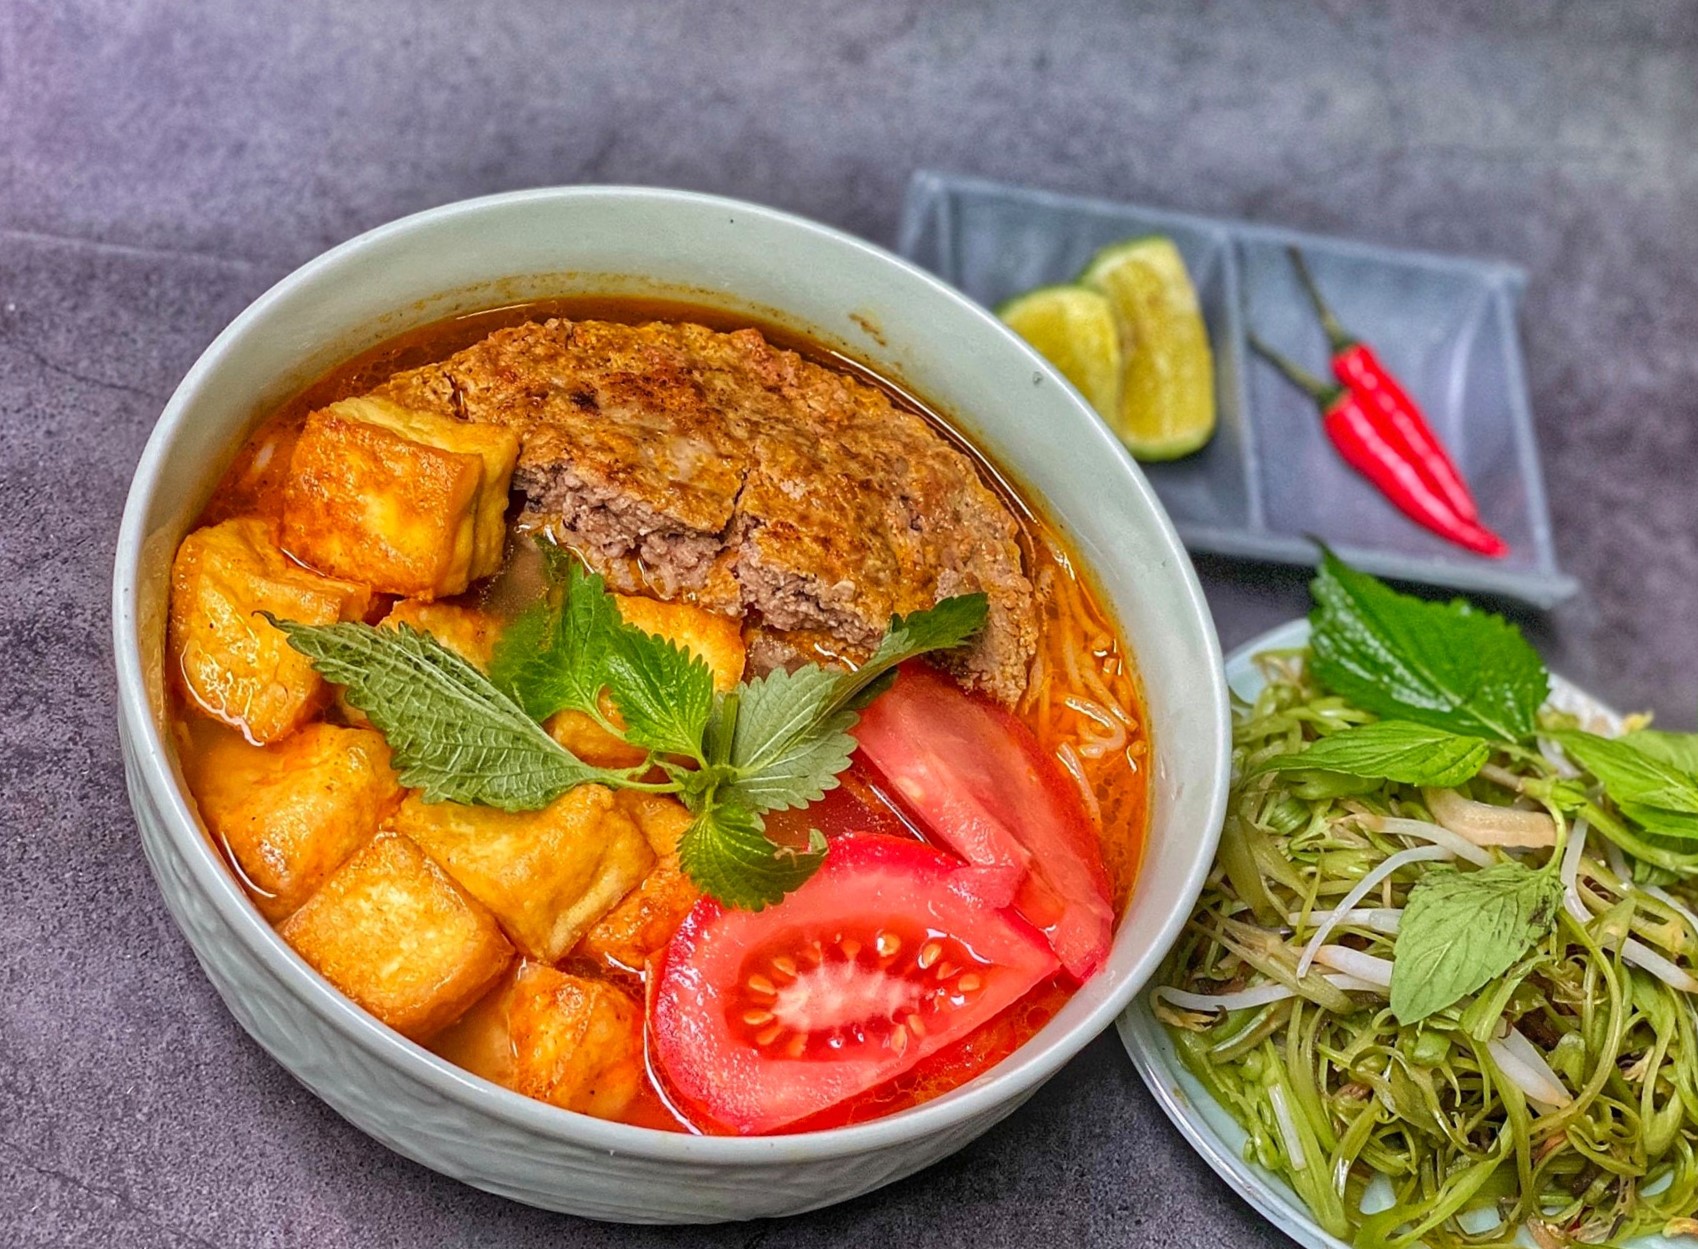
(1202, 1121)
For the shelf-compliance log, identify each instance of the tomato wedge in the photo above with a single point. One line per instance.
(977, 781)
(887, 954)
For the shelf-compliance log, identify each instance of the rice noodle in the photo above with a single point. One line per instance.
(1259, 994)
(1456, 843)
(1420, 854)
(1070, 760)
(1241, 999)
(1099, 744)
(1642, 955)
(1571, 853)
(1369, 968)
(1375, 919)
(1525, 1067)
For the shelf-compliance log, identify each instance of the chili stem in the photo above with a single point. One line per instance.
(1323, 393)
(1340, 339)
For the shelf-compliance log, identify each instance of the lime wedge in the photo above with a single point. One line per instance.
(1167, 393)
(1073, 328)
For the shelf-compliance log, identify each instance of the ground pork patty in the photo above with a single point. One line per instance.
(684, 460)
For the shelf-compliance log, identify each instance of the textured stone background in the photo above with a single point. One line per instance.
(162, 163)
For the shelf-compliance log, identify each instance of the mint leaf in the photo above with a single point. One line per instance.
(726, 852)
(1678, 750)
(663, 691)
(1630, 774)
(1645, 776)
(1665, 823)
(792, 736)
(452, 733)
(1449, 666)
(951, 623)
(788, 746)
(1391, 750)
(556, 655)
(1462, 929)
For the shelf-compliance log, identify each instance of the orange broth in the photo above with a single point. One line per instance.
(1083, 700)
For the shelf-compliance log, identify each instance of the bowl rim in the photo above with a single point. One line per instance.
(1004, 1085)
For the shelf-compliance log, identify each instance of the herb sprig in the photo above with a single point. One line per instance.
(1456, 686)
(775, 742)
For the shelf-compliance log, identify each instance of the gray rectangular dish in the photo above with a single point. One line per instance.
(1269, 480)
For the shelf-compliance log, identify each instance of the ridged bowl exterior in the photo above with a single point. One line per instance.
(849, 295)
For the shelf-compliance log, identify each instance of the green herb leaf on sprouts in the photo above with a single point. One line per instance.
(726, 852)
(1450, 666)
(1678, 750)
(1392, 750)
(556, 655)
(664, 692)
(792, 734)
(452, 733)
(1644, 777)
(1462, 929)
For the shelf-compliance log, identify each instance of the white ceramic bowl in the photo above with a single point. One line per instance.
(846, 294)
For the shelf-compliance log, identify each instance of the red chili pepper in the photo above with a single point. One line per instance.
(1371, 447)
(1356, 366)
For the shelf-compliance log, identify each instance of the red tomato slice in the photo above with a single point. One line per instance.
(978, 782)
(887, 954)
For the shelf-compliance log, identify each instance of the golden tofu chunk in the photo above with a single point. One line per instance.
(394, 932)
(479, 1040)
(496, 445)
(592, 743)
(569, 1040)
(469, 633)
(410, 502)
(661, 817)
(291, 812)
(236, 667)
(547, 875)
(644, 921)
(576, 1042)
(717, 639)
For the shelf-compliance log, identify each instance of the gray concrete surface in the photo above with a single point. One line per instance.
(161, 163)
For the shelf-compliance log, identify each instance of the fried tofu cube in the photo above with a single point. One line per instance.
(644, 921)
(292, 812)
(592, 743)
(569, 1040)
(717, 639)
(237, 667)
(394, 932)
(661, 817)
(469, 633)
(480, 1040)
(576, 1042)
(496, 445)
(409, 502)
(547, 875)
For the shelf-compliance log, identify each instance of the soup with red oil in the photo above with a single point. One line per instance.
(661, 716)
